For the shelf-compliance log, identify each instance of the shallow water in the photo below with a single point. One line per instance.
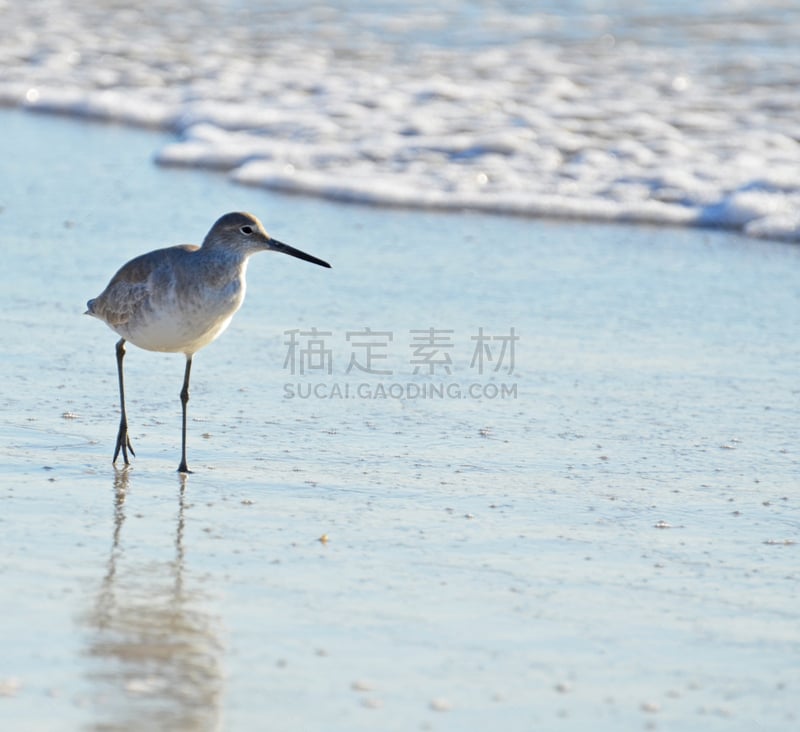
(614, 547)
(662, 112)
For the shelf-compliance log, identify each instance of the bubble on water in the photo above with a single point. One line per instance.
(440, 704)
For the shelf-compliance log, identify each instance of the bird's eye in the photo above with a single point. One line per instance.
(246, 230)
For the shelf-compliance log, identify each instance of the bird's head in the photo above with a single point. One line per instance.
(244, 233)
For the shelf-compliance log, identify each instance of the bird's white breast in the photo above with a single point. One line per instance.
(185, 321)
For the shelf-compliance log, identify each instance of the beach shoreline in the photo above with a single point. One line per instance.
(665, 114)
(615, 546)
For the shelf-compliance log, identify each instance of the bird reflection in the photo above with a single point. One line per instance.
(155, 654)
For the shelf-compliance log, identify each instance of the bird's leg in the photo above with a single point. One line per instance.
(184, 401)
(123, 441)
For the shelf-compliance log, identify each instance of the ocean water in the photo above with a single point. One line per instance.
(599, 531)
(613, 545)
(662, 112)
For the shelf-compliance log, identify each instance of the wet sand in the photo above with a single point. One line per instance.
(612, 545)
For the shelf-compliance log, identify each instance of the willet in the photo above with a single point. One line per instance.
(181, 298)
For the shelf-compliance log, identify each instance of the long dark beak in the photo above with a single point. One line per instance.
(279, 246)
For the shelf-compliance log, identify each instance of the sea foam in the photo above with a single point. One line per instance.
(577, 115)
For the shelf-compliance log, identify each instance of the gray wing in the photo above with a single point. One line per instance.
(131, 289)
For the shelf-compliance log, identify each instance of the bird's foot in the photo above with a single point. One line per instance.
(124, 444)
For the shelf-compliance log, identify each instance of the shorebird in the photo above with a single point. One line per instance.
(181, 298)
